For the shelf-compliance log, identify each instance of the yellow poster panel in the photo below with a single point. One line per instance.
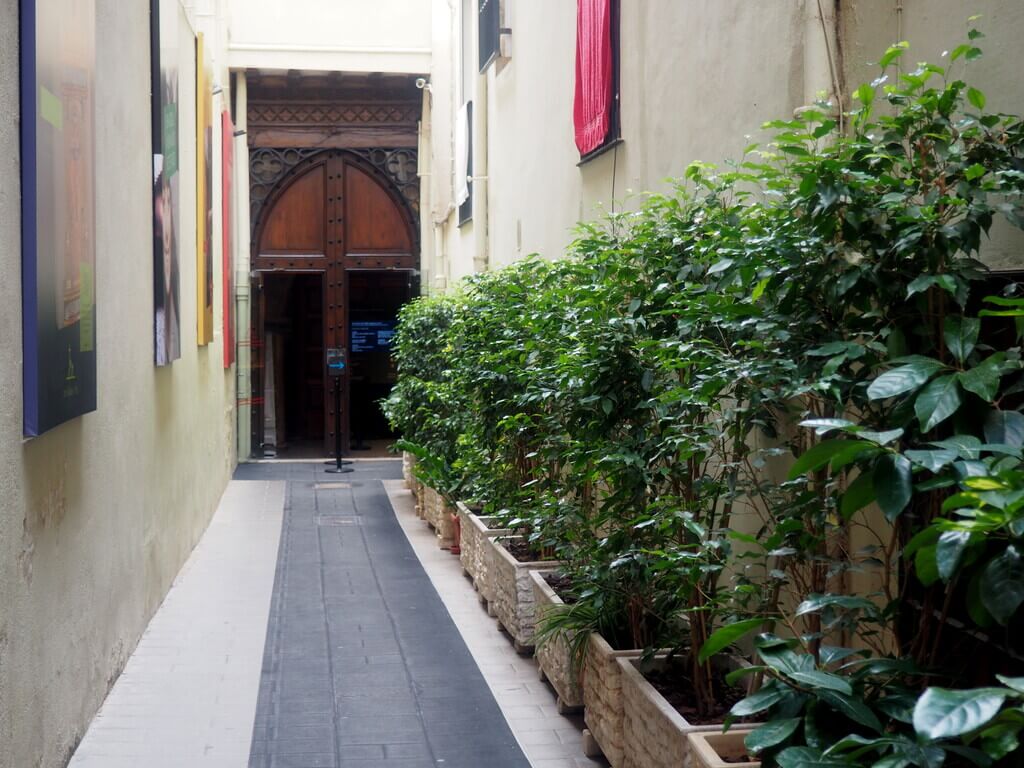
(204, 193)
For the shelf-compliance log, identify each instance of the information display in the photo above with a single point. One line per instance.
(372, 335)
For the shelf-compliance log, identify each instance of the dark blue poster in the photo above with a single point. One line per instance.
(58, 54)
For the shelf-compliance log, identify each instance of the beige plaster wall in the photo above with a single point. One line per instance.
(97, 516)
(933, 27)
(697, 81)
(341, 35)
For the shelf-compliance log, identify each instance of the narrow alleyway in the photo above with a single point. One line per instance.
(363, 666)
(376, 652)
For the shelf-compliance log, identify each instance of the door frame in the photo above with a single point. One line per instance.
(334, 265)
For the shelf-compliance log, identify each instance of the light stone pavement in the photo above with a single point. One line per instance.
(549, 739)
(187, 697)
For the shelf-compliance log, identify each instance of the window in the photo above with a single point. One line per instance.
(464, 162)
(596, 103)
(489, 38)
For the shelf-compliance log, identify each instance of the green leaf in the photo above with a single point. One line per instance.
(943, 714)
(771, 734)
(852, 707)
(821, 426)
(805, 757)
(961, 335)
(937, 402)
(926, 565)
(759, 701)
(1005, 427)
(1000, 740)
(893, 53)
(893, 484)
(983, 379)
(725, 636)
(1016, 683)
(924, 282)
(903, 379)
(817, 456)
(976, 97)
(859, 494)
(816, 680)
(949, 551)
(865, 94)
(933, 460)
(815, 603)
(1002, 585)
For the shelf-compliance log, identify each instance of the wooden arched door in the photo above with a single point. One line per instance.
(333, 214)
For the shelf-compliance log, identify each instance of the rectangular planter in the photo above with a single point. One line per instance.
(438, 514)
(475, 555)
(553, 655)
(714, 749)
(655, 735)
(408, 474)
(513, 603)
(602, 698)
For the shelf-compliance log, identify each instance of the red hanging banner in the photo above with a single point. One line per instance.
(593, 104)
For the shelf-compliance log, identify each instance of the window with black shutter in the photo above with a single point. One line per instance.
(466, 209)
(489, 28)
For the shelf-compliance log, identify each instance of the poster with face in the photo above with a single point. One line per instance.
(166, 188)
(204, 196)
(227, 132)
(58, 55)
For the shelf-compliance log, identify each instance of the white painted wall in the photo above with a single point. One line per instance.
(97, 516)
(697, 79)
(331, 35)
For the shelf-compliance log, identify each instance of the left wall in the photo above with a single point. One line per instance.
(98, 515)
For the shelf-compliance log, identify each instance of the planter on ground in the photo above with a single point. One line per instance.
(654, 734)
(602, 699)
(554, 656)
(476, 555)
(408, 473)
(513, 603)
(714, 749)
(438, 514)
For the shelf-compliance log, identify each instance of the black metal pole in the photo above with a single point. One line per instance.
(337, 468)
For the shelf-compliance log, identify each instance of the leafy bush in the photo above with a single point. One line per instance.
(732, 408)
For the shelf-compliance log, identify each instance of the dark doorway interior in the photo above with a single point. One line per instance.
(374, 300)
(294, 375)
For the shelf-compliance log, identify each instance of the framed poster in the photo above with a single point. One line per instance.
(204, 193)
(227, 134)
(166, 184)
(58, 62)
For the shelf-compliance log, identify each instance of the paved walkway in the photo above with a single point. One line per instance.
(317, 625)
(363, 665)
(187, 696)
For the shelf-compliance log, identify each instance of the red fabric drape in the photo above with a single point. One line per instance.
(593, 104)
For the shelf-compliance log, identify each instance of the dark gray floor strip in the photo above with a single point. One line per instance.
(363, 666)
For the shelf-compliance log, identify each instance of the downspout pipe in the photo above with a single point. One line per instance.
(240, 240)
(481, 234)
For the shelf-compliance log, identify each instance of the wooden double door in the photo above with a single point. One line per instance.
(331, 217)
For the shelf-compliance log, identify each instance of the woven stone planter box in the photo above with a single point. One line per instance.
(553, 655)
(438, 514)
(476, 556)
(513, 603)
(408, 474)
(714, 749)
(602, 698)
(654, 734)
